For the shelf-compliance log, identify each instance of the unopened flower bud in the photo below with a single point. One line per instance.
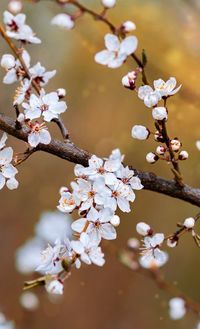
(151, 157)
(143, 229)
(183, 155)
(175, 144)
(63, 20)
(158, 137)
(8, 61)
(115, 220)
(128, 26)
(189, 222)
(108, 3)
(133, 243)
(15, 6)
(140, 132)
(160, 150)
(128, 81)
(159, 113)
(61, 92)
(172, 243)
(54, 287)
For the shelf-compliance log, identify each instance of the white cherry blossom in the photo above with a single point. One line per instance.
(15, 72)
(121, 196)
(97, 225)
(47, 105)
(67, 202)
(51, 259)
(17, 29)
(152, 255)
(116, 51)
(38, 134)
(149, 96)
(88, 250)
(167, 88)
(39, 74)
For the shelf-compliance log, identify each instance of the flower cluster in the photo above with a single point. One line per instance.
(7, 170)
(97, 192)
(170, 149)
(36, 108)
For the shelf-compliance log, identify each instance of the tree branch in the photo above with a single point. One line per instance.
(70, 152)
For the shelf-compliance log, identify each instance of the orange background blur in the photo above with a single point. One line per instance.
(100, 116)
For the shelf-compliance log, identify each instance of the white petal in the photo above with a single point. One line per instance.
(104, 57)
(12, 183)
(108, 232)
(112, 42)
(79, 225)
(129, 45)
(2, 181)
(45, 137)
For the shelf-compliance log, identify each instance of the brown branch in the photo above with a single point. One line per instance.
(70, 152)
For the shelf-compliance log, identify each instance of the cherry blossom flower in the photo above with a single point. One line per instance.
(127, 177)
(167, 88)
(151, 254)
(116, 52)
(64, 21)
(97, 168)
(87, 192)
(7, 170)
(17, 29)
(38, 134)
(39, 74)
(97, 225)
(121, 195)
(14, 69)
(67, 202)
(177, 308)
(51, 259)
(47, 105)
(88, 250)
(149, 96)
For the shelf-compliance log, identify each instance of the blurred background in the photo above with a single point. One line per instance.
(100, 116)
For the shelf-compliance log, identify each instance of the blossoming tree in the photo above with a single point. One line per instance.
(102, 187)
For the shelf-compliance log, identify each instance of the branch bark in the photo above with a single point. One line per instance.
(70, 152)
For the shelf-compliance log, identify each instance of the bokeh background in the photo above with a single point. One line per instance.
(100, 116)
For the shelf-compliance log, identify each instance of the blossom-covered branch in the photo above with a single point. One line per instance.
(70, 152)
